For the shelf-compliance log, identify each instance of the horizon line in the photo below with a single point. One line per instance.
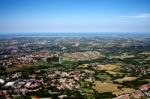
(65, 32)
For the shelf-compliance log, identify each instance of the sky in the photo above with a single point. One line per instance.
(74, 16)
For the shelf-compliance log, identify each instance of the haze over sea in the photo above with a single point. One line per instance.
(71, 34)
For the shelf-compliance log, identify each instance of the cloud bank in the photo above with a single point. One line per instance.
(141, 15)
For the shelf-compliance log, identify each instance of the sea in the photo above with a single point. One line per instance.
(71, 34)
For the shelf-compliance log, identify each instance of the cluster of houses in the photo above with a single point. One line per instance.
(58, 80)
(26, 59)
(65, 80)
(20, 87)
(143, 92)
(18, 60)
(136, 69)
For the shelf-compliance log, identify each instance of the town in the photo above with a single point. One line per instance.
(116, 67)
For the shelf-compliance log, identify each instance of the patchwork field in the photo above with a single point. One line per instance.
(105, 87)
(145, 53)
(89, 55)
(109, 67)
(124, 91)
(111, 72)
(88, 71)
(125, 79)
(103, 76)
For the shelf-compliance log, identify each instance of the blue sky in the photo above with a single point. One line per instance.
(74, 15)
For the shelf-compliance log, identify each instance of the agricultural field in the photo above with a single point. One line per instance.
(124, 91)
(125, 79)
(105, 87)
(109, 67)
(89, 55)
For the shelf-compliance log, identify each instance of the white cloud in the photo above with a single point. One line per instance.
(141, 15)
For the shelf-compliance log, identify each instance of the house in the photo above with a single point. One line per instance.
(137, 94)
(145, 87)
(126, 96)
(9, 84)
(62, 96)
(2, 81)
(147, 94)
(28, 84)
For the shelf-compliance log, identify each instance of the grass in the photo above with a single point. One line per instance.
(88, 71)
(135, 84)
(114, 73)
(103, 76)
(86, 90)
(39, 64)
